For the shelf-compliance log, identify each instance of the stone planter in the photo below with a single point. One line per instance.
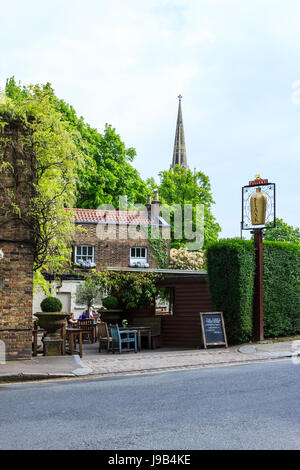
(52, 322)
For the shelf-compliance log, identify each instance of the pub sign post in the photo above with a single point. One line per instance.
(258, 214)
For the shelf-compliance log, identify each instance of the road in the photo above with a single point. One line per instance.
(254, 406)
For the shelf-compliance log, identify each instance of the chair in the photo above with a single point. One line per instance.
(154, 323)
(88, 329)
(122, 340)
(104, 336)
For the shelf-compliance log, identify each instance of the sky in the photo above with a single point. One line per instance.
(236, 64)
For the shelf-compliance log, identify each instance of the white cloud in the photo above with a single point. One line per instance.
(125, 63)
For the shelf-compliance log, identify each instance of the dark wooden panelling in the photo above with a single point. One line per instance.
(183, 328)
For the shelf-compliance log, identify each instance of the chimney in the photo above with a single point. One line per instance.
(156, 205)
(148, 205)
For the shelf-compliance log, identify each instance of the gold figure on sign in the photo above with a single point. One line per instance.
(258, 204)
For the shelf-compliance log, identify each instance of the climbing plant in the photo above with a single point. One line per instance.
(36, 143)
(132, 289)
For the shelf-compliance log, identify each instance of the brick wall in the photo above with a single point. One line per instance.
(16, 268)
(114, 252)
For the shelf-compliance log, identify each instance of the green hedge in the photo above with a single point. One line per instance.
(230, 265)
(231, 268)
(281, 289)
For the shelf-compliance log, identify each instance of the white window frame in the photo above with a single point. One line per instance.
(138, 259)
(87, 257)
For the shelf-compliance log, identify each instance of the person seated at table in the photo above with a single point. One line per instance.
(84, 315)
(71, 320)
(91, 313)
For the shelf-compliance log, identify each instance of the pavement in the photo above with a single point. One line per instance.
(158, 360)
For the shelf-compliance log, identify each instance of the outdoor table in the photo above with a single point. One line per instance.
(35, 332)
(140, 330)
(72, 334)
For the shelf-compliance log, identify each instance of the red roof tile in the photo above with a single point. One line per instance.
(111, 217)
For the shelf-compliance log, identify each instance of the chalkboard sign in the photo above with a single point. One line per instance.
(213, 329)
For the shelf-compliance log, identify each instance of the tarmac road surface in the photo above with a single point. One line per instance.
(253, 406)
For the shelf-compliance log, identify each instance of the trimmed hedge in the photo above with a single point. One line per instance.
(110, 302)
(231, 271)
(230, 266)
(281, 289)
(51, 304)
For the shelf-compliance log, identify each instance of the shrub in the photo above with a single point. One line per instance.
(187, 260)
(231, 271)
(132, 289)
(110, 302)
(51, 304)
(281, 289)
(231, 267)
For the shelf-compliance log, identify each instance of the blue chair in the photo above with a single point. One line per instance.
(123, 340)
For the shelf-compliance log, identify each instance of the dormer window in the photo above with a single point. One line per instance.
(84, 254)
(138, 256)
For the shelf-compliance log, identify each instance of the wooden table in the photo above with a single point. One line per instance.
(146, 330)
(35, 332)
(73, 333)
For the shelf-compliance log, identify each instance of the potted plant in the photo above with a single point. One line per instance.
(52, 319)
(85, 264)
(111, 302)
(112, 313)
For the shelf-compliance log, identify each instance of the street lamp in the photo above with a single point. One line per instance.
(258, 214)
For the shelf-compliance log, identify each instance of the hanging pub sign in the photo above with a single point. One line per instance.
(258, 204)
(213, 329)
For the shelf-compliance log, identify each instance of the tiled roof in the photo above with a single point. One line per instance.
(111, 217)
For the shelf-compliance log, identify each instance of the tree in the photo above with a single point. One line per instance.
(52, 147)
(283, 232)
(88, 293)
(107, 172)
(181, 186)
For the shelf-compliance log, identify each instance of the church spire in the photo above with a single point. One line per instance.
(179, 155)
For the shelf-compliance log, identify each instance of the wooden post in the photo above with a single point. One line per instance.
(258, 286)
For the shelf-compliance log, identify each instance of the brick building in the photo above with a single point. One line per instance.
(108, 239)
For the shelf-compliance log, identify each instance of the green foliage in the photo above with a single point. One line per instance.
(52, 146)
(281, 289)
(283, 232)
(76, 166)
(132, 289)
(88, 293)
(110, 302)
(160, 252)
(231, 265)
(180, 186)
(231, 271)
(51, 304)
(107, 172)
